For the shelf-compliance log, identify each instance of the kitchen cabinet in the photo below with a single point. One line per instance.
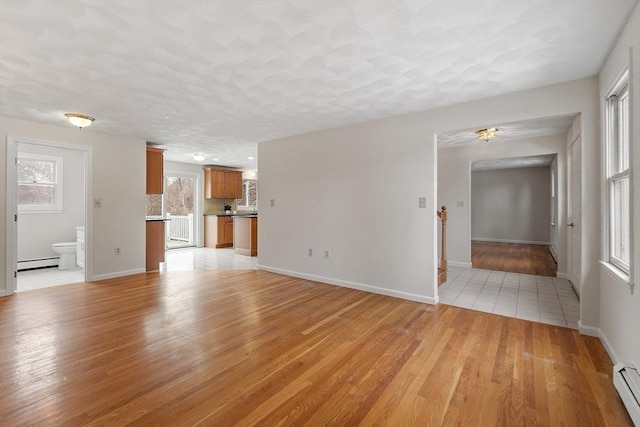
(222, 184)
(218, 231)
(155, 170)
(155, 244)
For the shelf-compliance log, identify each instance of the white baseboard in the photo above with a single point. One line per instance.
(459, 264)
(609, 348)
(353, 285)
(523, 242)
(97, 277)
(38, 263)
(561, 275)
(591, 331)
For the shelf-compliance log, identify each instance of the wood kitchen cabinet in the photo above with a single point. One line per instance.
(218, 231)
(155, 245)
(155, 170)
(222, 184)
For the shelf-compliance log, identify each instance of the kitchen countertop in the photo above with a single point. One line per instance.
(156, 218)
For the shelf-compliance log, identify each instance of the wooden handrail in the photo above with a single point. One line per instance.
(442, 268)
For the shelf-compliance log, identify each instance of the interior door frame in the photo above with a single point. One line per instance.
(576, 280)
(12, 205)
(197, 203)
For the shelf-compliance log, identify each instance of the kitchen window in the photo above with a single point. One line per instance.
(39, 183)
(249, 199)
(618, 175)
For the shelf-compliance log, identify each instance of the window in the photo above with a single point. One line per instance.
(617, 174)
(249, 195)
(39, 183)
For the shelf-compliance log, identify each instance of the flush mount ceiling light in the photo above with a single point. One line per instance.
(198, 157)
(487, 134)
(80, 120)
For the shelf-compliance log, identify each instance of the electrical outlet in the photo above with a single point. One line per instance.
(460, 203)
(327, 255)
(117, 251)
(422, 202)
(97, 203)
(310, 252)
(273, 203)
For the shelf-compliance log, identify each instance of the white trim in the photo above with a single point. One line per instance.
(116, 274)
(591, 331)
(353, 285)
(563, 275)
(616, 275)
(522, 242)
(608, 347)
(459, 264)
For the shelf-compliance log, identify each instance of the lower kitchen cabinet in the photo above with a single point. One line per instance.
(218, 231)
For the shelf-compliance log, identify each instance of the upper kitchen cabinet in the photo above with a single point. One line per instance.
(222, 184)
(155, 170)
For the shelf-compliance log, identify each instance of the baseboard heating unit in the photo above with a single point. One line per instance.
(30, 264)
(627, 381)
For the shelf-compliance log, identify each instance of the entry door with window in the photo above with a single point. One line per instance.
(179, 195)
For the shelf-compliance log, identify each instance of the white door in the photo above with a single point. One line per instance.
(574, 217)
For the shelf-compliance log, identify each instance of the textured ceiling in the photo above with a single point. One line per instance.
(220, 76)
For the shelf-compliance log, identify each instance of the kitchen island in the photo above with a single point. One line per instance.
(245, 234)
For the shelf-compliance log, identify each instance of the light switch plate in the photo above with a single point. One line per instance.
(460, 204)
(422, 202)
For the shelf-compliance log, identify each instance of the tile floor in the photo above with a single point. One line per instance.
(188, 259)
(541, 299)
(46, 277)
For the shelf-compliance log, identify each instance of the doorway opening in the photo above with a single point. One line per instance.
(48, 242)
(513, 212)
(179, 208)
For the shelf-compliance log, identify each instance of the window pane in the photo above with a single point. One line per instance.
(623, 133)
(620, 219)
(249, 193)
(34, 170)
(36, 195)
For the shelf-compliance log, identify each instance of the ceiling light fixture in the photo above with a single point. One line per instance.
(487, 134)
(80, 120)
(198, 157)
(250, 158)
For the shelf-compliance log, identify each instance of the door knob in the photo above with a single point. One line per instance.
(570, 225)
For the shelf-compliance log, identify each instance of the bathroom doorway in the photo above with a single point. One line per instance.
(50, 184)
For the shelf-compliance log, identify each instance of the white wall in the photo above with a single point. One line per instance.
(195, 171)
(354, 191)
(511, 205)
(118, 179)
(619, 307)
(454, 176)
(38, 231)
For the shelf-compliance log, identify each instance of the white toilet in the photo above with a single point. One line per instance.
(67, 251)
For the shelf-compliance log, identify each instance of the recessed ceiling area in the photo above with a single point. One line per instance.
(219, 77)
(509, 131)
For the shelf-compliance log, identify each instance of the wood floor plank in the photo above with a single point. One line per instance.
(256, 348)
(513, 257)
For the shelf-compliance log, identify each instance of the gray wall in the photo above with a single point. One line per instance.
(511, 205)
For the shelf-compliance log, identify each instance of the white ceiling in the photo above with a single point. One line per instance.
(220, 76)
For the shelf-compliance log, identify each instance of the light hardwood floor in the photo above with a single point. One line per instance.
(513, 257)
(222, 348)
